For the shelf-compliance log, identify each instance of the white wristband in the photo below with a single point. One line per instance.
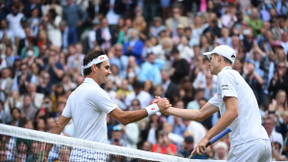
(152, 109)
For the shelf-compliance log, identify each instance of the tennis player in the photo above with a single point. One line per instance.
(89, 105)
(239, 110)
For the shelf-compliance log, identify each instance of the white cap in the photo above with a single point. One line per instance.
(224, 51)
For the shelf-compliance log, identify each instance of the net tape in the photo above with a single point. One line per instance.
(84, 144)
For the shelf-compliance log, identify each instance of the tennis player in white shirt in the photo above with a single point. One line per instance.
(89, 105)
(239, 110)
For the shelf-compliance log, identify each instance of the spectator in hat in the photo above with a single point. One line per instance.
(188, 147)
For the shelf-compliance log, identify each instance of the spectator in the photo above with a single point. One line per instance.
(186, 52)
(5, 32)
(197, 30)
(157, 27)
(229, 18)
(188, 147)
(54, 68)
(254, 81)
(28, 109)
(115, 77)
(14, 21)
(33, 155)
(104, 36)
(180, 67)
(92, 42)
(150, 70)
(138, 93)
(6, 83)
(279, 80)
(73, 14)
(120, 60)
(147, 146)
(177, 18)
(123, 90)
(134, 46)
(164, 145)
(69, 35)
(221, 150)
(51, 23)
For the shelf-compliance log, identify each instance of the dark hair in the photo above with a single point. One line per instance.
(15, 108)
(174, 50)
(89, 57)
(53, 13)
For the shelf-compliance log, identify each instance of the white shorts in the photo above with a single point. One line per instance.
(256, 150)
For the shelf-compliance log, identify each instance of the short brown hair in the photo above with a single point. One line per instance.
(89, 57)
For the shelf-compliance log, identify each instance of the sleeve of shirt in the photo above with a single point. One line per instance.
(227, 84)
(67, 110)
(104, 102)
(214, 100)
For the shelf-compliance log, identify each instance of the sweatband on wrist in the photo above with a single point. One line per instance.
(152, 109)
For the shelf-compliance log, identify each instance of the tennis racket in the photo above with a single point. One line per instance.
(214, 139)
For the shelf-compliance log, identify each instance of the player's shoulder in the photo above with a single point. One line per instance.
(228, 74)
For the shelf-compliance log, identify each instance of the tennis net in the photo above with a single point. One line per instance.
(20, 144)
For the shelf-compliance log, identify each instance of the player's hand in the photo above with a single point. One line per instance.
(157, 98)
(201, 147)
(163, 104)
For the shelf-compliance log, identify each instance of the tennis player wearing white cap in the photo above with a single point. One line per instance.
(239, 110)
(89, 105)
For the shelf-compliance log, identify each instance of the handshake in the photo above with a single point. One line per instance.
(162, 103)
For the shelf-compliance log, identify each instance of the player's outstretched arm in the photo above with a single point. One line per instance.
(189, 114)
(126, 117)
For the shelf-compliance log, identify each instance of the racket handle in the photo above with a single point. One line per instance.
(218, 136)
(213, 140)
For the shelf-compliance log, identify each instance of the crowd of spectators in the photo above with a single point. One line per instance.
(155, 47)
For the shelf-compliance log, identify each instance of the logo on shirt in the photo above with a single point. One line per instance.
(225, 87)
(101, 58)
(152, 108)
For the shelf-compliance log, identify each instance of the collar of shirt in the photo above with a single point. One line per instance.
(227, 67)
(90, 81)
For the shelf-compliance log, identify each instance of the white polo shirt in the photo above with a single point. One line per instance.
(247, 126)
(88, 106)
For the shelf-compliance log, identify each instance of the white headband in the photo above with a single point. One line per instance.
(97, 60)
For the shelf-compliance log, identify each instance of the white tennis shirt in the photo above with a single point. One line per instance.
(88, 106)
(247, 126)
